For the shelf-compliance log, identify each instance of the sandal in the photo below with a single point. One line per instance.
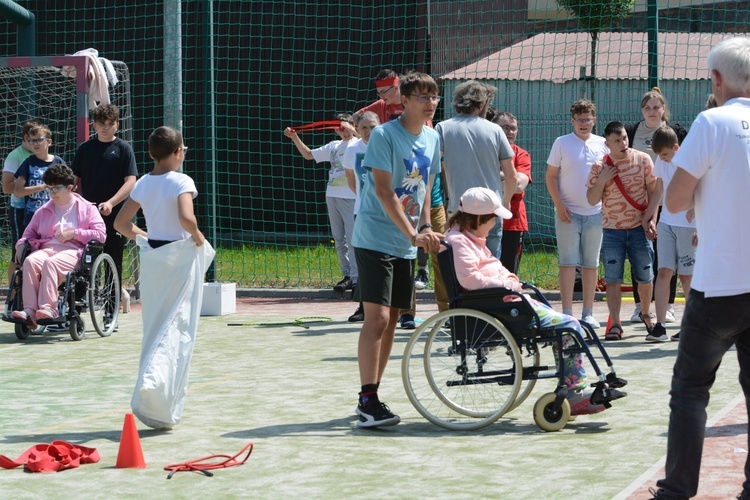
(648, 324)
(615, 332)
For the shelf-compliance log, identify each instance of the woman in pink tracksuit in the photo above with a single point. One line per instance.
(57, 233)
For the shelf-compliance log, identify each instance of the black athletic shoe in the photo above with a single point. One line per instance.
(343, 285)
(376, 414)
(359, 315)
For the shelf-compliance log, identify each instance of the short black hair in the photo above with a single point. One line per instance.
(613, 128)
(163, 142)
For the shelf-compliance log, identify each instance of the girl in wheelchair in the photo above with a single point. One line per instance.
(476, 269)
(57, 235)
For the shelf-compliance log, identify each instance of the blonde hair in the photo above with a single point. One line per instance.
(655, 93)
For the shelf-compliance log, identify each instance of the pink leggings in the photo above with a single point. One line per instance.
(42, 272)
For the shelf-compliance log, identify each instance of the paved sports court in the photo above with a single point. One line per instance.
(291, 391)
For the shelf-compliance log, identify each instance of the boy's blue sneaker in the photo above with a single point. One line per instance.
(407, 322)
(376, 414)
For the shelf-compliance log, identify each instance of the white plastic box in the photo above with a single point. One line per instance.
(219, 299)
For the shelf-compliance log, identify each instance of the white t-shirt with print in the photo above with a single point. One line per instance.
(333, 152)
(717, 153)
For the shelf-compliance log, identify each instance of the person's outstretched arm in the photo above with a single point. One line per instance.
(301, 146)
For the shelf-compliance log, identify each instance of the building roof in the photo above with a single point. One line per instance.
(558, 57)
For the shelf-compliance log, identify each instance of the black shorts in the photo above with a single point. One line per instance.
(384, 279)
(17, 227)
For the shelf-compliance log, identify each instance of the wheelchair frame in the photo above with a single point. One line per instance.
(472, 356)
(93, 286)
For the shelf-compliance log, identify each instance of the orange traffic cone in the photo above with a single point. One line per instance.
(130, 455)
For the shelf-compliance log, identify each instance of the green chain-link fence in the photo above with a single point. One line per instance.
(234, 74)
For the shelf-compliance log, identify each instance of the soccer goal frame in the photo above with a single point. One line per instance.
(35, 88)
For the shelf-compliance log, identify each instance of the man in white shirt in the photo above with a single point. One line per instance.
(712, 175)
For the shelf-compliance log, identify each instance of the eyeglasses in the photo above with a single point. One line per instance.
(105, 124)
(427, 98)
(583, 121)
(184, 149)
(38, 140)
(55, 189)
(383, 92)
(509, 128)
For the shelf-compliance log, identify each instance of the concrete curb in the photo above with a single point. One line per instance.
(322, 294)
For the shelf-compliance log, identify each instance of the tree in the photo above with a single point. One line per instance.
(594, 16)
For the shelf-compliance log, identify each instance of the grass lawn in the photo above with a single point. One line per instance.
(268, 266)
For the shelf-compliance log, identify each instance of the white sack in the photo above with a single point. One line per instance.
(171, 295)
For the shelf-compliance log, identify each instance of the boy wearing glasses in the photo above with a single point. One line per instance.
(29, 184)
(403, 157)
(388, 107)
(17, 205)
(105, 172)
(517, 226)
(578, 224)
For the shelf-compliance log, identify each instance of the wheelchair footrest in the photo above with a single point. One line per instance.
(603, 394)
(616, 382)
(11, 319)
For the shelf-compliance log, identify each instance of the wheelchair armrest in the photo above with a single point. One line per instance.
(538, 295)
(25, 251)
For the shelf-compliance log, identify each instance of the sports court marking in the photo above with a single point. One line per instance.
(722, 465)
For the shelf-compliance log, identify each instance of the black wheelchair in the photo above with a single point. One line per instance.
(466, 367)
(93, 286)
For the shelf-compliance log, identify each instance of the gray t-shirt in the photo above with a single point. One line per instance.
(472, 149)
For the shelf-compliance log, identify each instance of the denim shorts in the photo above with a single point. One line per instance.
(675, 248)
(579, 241)
(616, 243)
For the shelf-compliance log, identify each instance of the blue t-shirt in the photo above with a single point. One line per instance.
(410, 159)
(32, 169)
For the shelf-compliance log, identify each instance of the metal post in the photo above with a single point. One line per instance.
(173, 64)
(210, 130)
(652, 15)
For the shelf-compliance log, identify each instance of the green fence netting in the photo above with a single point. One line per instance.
(234, 74)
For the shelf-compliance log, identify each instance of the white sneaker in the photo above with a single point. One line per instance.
(636, 317)
(670, 318)
(591, 321)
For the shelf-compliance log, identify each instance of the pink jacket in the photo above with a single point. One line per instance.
(476, 267)
(41, 228)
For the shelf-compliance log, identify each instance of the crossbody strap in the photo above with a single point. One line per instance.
(621, 187)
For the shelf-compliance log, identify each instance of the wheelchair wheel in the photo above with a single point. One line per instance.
(77, 327)
(547, 417)
(464, 377)
(23, 331)
(104, 295)
(527, 386)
